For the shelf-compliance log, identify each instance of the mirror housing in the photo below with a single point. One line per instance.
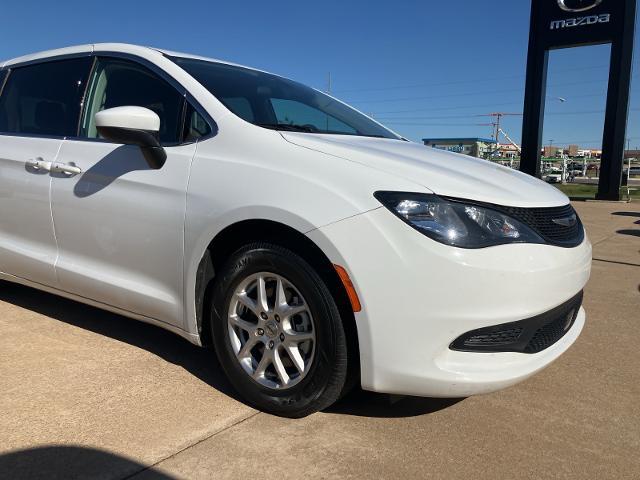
(133, 126)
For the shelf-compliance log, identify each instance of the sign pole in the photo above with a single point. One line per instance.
(615, 125)
(570, 23)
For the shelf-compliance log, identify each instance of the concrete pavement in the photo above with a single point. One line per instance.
(88, 394)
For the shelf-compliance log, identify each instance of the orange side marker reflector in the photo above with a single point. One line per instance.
(348, 286)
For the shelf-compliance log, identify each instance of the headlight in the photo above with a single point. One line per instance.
(457, 223)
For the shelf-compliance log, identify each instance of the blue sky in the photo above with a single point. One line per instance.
(424, 68)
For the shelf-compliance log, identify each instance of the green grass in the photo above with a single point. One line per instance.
(579, 191)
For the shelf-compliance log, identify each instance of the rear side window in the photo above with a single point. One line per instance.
(44, 99)
(195, 126)
(3, 117)
(3, 75)
(118, 83)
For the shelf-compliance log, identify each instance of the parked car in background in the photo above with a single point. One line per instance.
(311, 246)
(552, 178)
(576, 167)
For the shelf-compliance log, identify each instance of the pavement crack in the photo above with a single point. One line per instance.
(616, 262)
(603, 240)
(198, 442)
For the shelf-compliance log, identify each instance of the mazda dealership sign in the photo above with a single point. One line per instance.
(571, 23)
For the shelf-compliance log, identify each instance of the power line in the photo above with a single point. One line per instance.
(459, 82)
(486, 105)
(466, 115)
(466, 94)
(438, 109)
(431, 97)
(582, 112)
(437, 124)
(422, 85)
(393, 122)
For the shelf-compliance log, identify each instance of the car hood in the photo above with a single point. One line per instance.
(444, 173)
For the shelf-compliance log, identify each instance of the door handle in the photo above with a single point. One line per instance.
(65, 168)
(38, 164)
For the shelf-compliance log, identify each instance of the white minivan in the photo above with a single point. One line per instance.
(312, 247)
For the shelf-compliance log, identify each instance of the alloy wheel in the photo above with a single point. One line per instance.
(271, 330)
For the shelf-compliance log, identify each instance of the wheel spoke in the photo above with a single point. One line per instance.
(291, 310)
(244, 299)
(236, 321)
(299, 337)
(294, 354)
(281, 298)
(280, 370)
(246, 348)
(263, 302)
(265, 361)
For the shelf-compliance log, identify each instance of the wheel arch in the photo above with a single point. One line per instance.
(243, 232)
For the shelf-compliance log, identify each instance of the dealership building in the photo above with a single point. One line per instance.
(476, 147)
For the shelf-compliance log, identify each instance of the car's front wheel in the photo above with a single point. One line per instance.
(278, 332)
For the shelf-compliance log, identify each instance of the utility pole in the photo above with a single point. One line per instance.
(492, 125)
(498, 119)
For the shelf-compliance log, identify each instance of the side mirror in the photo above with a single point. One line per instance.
(133, 126)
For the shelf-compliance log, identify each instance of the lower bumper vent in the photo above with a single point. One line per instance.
(524, 336)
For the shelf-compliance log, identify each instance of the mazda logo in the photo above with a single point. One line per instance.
(578, 5)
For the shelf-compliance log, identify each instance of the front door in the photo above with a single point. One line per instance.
(39, 106)
(119, 223)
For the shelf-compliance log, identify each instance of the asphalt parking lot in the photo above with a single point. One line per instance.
(88, 394)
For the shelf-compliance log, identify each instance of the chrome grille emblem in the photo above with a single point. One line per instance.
(566, 221)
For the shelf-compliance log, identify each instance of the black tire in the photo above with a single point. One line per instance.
(327, 374)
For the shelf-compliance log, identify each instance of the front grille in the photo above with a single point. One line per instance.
(524, 336)
(563, 232)
(541, 220)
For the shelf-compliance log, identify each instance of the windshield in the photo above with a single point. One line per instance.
(274, 102)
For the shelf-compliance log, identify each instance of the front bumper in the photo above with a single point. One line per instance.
(418, 296)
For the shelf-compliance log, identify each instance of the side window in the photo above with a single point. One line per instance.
(194, 125)
(3, 75)
(3, 116)
(117, 83)
(44, 98)
(240, 106)
(292, 112)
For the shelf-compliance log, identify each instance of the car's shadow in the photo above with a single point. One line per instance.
(200, 362)
(361, 403)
